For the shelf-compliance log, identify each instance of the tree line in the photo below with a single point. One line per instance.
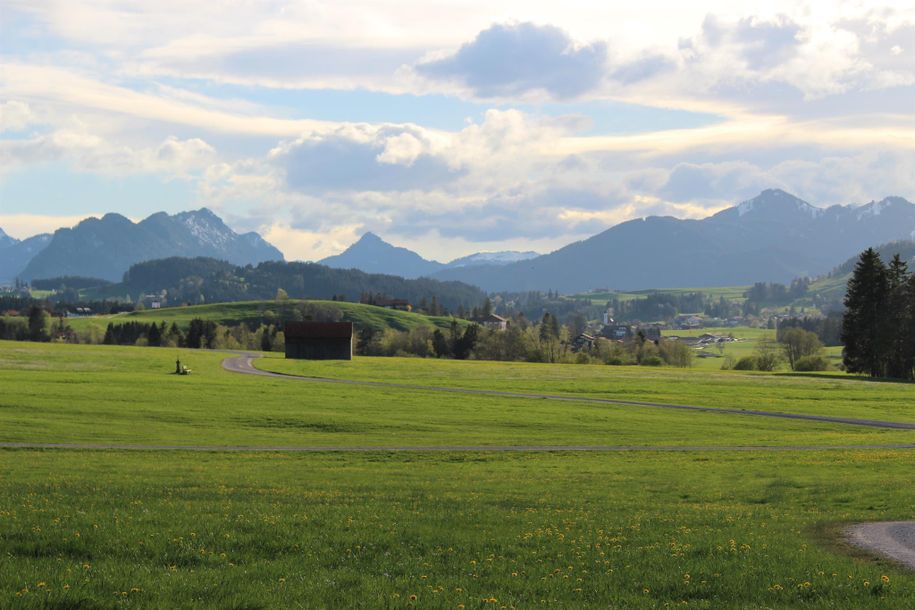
(878, 327)
(206, 280)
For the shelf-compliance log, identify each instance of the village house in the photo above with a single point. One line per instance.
(319, 340)
(492, 322)
(583, 343)
(616, 332)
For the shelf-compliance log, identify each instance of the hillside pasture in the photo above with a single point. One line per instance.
(256, 312)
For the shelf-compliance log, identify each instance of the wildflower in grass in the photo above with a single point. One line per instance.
(412, 598)
(42, 585)
(867, 583)
(885, 579)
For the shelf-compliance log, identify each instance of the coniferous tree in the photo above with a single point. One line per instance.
(153, 336)
(862, 324)
(907, 329)
(893, 338)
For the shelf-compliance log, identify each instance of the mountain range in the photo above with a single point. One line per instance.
(773, 237)
(106, 247)
(374, 255)
(15, 254)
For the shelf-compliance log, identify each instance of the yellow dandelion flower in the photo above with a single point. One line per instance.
(412, 598)
(885, 579)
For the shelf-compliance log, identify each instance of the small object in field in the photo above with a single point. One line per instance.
(180, 369)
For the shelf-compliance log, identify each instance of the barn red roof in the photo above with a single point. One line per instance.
(319, 330)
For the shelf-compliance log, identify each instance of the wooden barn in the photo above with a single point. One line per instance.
(319, 340)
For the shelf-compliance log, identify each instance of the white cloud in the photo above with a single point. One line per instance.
(814, 101)
(88, 152)
(15, 116)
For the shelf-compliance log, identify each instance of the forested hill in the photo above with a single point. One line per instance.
(905, 249)
(196, 280)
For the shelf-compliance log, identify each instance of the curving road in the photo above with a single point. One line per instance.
(244, 363)
(894, 540)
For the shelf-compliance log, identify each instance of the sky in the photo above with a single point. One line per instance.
(449, 127)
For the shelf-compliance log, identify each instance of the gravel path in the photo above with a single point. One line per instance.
(892, 539)
(244, 363)
(442, 448)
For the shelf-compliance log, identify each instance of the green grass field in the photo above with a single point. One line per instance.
(598, 297)
(364, 316)
(647, 529)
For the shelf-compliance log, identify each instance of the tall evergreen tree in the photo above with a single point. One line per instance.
(153, 336)
(862, 324)
(907, 330)
(893, 338)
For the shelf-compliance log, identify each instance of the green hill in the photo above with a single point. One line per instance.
(272, 312)
(832, 287)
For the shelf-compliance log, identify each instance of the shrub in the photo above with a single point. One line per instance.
(652, 361)
(676, 354)
(747, 363)
(768, 356)
(811, 363)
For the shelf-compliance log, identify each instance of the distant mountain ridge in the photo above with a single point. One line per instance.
(502, 257)
(106, 247)
(372, 254)
(773, 237)
(15, 254)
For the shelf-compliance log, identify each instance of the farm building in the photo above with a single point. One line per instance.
(319, 340)
(492, 322)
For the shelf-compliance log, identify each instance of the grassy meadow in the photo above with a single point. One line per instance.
(256, 312)
(814, 393)
(452, 529)
(696, 530)
(601, 297)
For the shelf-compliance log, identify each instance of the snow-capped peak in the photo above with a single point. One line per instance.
(503, 257)
(777, 199)
(207, 228)
(875, 208)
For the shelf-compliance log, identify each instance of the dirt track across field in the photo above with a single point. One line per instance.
(894, 540)
(244, 363)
